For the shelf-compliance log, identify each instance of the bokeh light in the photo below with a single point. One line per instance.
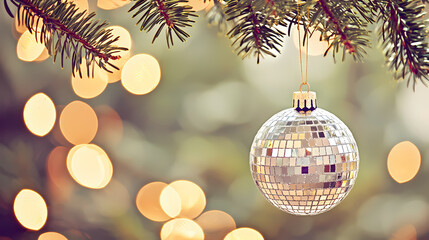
(30, 209)
(51, 236)
(315, 46)
(43, 56)
(82, 5)
(28, 49)
(198, 5)
(110, 126)
(112, 4)
(141, 74)
(170, 201)
(148, 201)
(78, 123)
(89, 166)
(123, 41)
(193, 199)
(56, 168)
(181, 229)
(407, 232)
(403, 161)
(39, 114)
(244, 233)
(89, 86)
(216, 224)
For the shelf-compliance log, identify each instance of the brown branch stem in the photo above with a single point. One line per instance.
(164, 14)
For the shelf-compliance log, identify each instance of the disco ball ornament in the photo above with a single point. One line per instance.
(304, 159)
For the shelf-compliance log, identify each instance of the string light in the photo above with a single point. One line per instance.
(82, 5)
(89, 86)
(141, 74)
(51, 236)
(403, 161)
(56, 168)
(28, 49)
(30, 209)
(170, 201)
(181, 229)
(193, 199)
(197, 5)
(148, 202)
(244, 233)
(89, 166)
(216, 224)
(39, 114)
(112, 4)
(78, 123)
(123, 41)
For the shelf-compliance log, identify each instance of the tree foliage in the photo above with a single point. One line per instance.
(68, 32)
(256, 27)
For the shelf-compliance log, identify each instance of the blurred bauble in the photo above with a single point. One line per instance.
(304, 159)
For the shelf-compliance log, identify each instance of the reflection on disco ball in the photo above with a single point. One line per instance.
(304, 163)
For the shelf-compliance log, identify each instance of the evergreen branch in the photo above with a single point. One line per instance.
(172, 14)
(69, 33)
(345, 26)
(252, 34)
(403, 36)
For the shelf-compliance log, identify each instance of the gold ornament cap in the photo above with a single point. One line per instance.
(304, 101)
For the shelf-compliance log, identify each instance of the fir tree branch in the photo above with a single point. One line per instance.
(170, 14)
(69, 33)
(340, 24)
(252, 34)
(404, 37)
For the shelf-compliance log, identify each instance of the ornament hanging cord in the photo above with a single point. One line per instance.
(305, 42)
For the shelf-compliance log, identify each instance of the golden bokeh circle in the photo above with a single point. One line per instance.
(89, 86)
(28, 49)
(123, 41)
(181, 229)
(170, 201)
(244, 233)
(89, 165)
(193, 199)
(78, 123)
(51, 236)
(403, 161)
(141, 74)
(216, 224)
(30, 209)
(39, 114)
(112, 4)
(197, 5)
(148, 201)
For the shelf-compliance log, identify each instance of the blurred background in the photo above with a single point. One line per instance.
(197, 126)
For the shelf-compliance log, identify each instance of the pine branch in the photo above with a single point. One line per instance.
(341, 24)
(173, 15)
(68, 33)
(252, 34)
(404, 37)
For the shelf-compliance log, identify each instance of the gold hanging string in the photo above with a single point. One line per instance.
(306, 35)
